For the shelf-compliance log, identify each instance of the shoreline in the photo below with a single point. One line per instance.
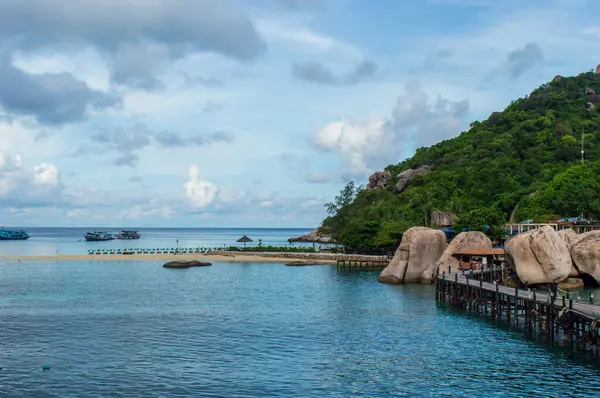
(154, 257)
(317, 258)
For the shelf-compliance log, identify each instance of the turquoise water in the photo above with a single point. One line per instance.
(135, 329)
(47, 241)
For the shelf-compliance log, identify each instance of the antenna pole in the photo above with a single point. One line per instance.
(582, 138)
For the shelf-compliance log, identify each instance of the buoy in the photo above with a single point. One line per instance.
(46, 367)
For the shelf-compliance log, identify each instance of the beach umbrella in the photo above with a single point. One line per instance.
(244, 239)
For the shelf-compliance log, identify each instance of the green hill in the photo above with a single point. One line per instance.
(528, 155)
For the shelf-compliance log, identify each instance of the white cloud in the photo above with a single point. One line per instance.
(22, 185)
(199, 191)
(415, 121)
(46, 174)
(356, 143)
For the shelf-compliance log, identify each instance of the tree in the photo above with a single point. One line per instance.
(424, 201)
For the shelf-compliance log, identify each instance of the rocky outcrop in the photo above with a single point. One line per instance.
(569, 237)
(557, 78)
(589, 91)
(598, 70)
(462, 241)
(443, 218)
(416, 257)
(379, 179)
(590, 106)
(585, 252)
(405, 178)
(186, 264)
(539, 256)
(300, 263)
(313, 236)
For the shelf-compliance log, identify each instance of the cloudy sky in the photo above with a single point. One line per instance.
(251, 113)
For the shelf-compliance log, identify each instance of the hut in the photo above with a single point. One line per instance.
(244, 239)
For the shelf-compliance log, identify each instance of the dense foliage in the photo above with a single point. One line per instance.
(528, 155)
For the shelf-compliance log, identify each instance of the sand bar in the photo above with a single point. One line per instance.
(165, 257)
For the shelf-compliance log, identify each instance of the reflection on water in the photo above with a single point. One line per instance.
(254, 329)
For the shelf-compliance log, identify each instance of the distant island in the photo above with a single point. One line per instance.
(537, 160)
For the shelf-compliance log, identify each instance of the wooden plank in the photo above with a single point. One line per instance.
(583, 309)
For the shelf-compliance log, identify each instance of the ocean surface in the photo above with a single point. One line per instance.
(135, 329)
(46, 241)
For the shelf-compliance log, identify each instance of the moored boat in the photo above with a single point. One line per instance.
(9, 234)
(128, 235)
(97, 236)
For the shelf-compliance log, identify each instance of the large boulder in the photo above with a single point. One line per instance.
(314, 236)
(570, 236)
(443, 218)
(416, 257)
(539, 256)
(379, 179)
(407, 176)
(585, 252)
(598, 70)
(462, 241)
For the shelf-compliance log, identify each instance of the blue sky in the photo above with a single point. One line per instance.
(251, 113)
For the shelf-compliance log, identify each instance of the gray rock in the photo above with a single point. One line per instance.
(443, 218)
(405, 178)
(379, 179)
(585, 252)
(539, 256)
(313, 236)
(589, 106)
(589, 91)
(186, 264)
(462, 241)
(416, 257)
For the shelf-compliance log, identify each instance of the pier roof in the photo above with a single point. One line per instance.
(480, 252)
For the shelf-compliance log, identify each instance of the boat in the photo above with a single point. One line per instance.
(128, 235)
(10, 234)
(97, 236)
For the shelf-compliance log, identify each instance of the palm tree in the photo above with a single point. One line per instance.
(454, 205)
(424, 200)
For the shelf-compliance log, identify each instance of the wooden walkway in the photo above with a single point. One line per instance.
(362, 265)
(576, 321)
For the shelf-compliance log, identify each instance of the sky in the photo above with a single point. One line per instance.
(233, 113)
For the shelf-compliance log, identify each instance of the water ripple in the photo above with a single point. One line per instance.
(249, 330)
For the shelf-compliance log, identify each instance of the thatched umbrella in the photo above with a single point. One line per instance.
(244, 239)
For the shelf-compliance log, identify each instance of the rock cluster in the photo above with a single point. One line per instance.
(544, 256)
(415, 258)
(407, 176)
(539, 256)
(462, 241)
(379, 179)
(589, 106)
(557, 78)
(598, 70)
(314, 236)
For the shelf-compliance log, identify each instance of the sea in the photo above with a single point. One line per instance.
(104, 328)
(50, 241)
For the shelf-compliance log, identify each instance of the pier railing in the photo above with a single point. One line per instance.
(478, 291)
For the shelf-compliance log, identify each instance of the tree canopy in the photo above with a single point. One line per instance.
(528, 155)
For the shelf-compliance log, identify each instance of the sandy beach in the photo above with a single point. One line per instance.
(165, 257)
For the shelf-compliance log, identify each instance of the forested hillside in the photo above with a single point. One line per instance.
(528, 155)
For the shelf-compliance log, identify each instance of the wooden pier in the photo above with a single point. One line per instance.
(362, 265)
(573, 322)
